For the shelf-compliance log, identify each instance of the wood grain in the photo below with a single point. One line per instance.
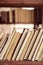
(6, 62)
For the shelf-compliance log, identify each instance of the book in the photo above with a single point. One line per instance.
(26, 46)
(16, 15)
(5, 17)
(3, 42)
(24, 16)
(20, 44)
(41, 57)
(32, 16)
(40, 52)
(31, 44)
(37, 49)
(10, 44)
(29, 16)
(2, 54)
(35, 45)
(13, 46)
(23, 45)
(10, 16)
(13, 16)
(20, 18)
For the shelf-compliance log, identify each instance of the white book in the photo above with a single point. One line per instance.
(19, 44)
(31, 44)
(26, 46)
(27, 37)
(6, 46)
(35, 45)
(37, 49)
(39, 54)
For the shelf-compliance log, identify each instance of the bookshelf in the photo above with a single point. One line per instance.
(38, 18)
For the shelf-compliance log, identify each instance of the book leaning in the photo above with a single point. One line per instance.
(6, 46)
(19, 44)
(35, 45)
(24, 43)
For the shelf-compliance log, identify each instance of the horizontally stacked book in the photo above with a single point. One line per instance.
(22, 44)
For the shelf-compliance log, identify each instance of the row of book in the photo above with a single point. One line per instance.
(17, 15)
(22, 44)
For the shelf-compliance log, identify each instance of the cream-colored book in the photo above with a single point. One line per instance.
(10, 16)
(35, 45)
(26, 46)
(6, 46)
(13, 46)
(3, 42)
(39, 54)
(37, 49)
(20, 44)
(24, 43)
(31, 44)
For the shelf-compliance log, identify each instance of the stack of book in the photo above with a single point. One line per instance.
(22, 44)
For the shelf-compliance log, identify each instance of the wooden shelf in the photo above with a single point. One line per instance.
(33, 2)
(21, 63)
(21, 3)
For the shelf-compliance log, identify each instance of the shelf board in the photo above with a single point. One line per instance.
(6, 62)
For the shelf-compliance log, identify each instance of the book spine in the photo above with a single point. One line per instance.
(20, 44)
(31, 44)
(35, 45)
(24, 43)
(6, 46)
(13, 46)
(26, 46)
(9, 41)
(37, 49)
(3, 42)
(39, 54)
